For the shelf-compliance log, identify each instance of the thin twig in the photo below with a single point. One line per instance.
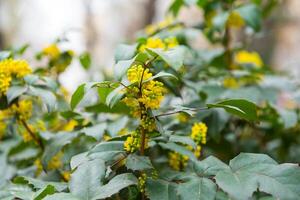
(32, 134)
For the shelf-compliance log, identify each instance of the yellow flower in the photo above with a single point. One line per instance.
(245, 57)
(136, 72)
(148, 123)
(153, 43)
(52, 51)
(10, 68)
(27, 137)
(230, 82)
(197, 151)
(66, 175)
(2, 129)
(152, 94)
(183, 117)
(142, 180)
(199, 131)
(55, 162)
(39, 166)
(23, 109)
(177, 161)
(4, 83)
(235, 20)
(132, 142)
(70, 125)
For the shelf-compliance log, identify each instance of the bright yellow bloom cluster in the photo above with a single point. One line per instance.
(151, 91)
(3, 116)
(152, 28)
(235, 20)
(246, 57)
(199, 131)
(142, 180)
(52, 51)
(23, 109)
(133, 142)
(66, 175)
(55, 162)
(70, 125)
(148, 123)
(177, 161)
(230, 82)
(10, 68)
(157, 43)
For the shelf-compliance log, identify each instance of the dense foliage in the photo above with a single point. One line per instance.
(163, 126)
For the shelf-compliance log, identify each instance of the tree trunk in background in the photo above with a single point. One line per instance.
(286, 55)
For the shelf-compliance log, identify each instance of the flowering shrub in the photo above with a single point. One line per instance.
(163, 127)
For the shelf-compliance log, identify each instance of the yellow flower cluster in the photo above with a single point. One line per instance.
(246, 57)
(177, 161)
(23, 110)
(10, 68)
(133, 142)
(235, 20)
(55, 162)
(70, 125)
(157, 43)
(142, 180)
(152, 28)
(199, 131)
(38, 126)
(148, 123)
(66, 175)
(52, 51)
(151, 91)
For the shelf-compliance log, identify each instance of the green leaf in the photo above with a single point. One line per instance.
(183, 140)
(95, 131)
(39, 184)
(31, 79)
(251, 14)
(119, 108)
(116, 184)
(122, 66)
(135, 162)
(48, 97)
(87, 179)
(240, 107)
(47, 190)
(4, 55)
(61, 196)
(55, 144)
(209, 166)
(197, 188)
(114, 97)
(173, 57)
(77, 96)
(176, 6)
(160, 74)
(108, 146)
(160, 189)
(125, 52)
(85, 60)
(14, 92)
(251, 172)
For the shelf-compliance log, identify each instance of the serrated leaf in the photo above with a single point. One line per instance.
(135, 162)
(183, 140)
(108, 146)
(114, 97)
(177, 148)
(77, 96)
(251, 172)
(116, 184)
(87, 179)
(197, 188)
(240, 107)
(160, 189)
(209, 166)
